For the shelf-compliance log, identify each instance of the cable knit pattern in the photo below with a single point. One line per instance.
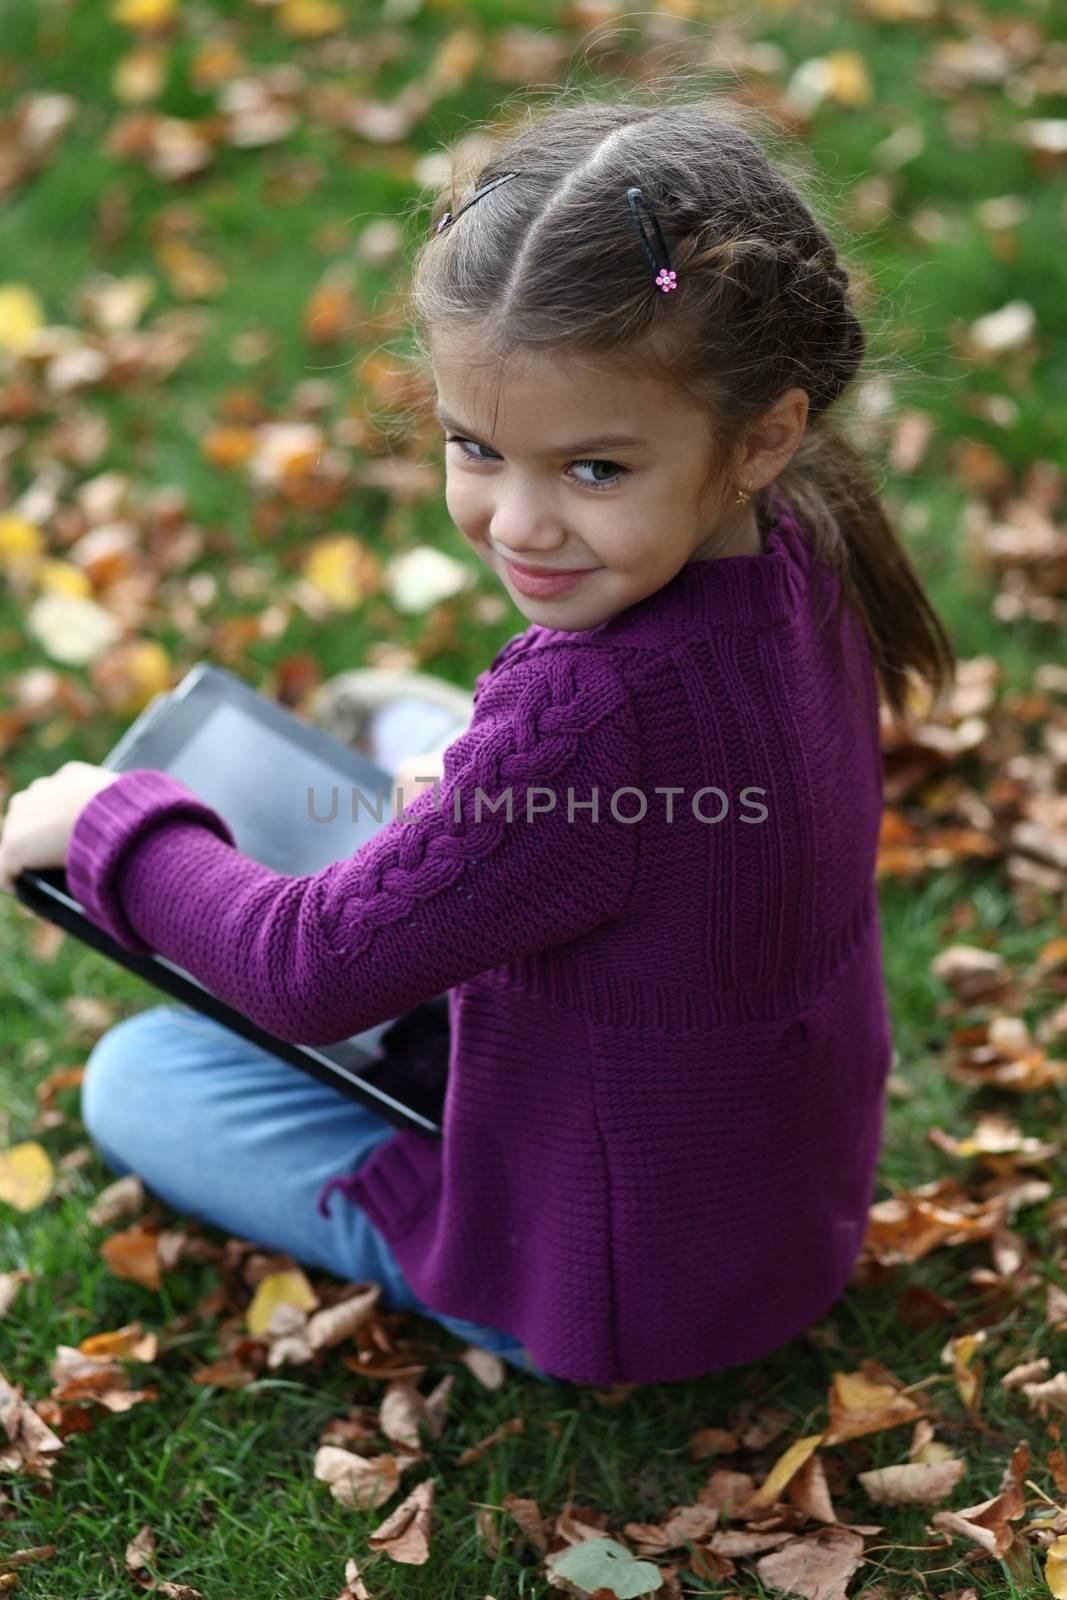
(669, 1033)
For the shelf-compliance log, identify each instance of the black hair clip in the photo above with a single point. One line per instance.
(666, 279)
(450, 216)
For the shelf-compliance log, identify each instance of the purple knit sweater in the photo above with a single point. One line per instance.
(669, 1035)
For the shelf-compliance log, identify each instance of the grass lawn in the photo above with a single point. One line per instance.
(244, 245)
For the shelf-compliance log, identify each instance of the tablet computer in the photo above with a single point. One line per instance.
(276, 780)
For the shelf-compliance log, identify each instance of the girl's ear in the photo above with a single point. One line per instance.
(772, 441)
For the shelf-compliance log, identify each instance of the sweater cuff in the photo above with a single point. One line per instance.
(106, 833)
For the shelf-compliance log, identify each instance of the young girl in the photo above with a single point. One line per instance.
(647, 879)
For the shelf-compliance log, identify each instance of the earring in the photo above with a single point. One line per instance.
(743, 497)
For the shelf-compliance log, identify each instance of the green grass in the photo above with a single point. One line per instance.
(225, 1478)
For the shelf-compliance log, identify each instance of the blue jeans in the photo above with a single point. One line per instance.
(224, 1131)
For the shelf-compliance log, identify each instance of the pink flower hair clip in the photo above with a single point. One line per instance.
(666, 277)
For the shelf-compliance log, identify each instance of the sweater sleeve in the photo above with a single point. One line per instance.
(447, 889)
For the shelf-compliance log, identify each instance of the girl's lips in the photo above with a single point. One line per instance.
(542, 584)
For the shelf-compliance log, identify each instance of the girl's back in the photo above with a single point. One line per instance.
(662, 1134)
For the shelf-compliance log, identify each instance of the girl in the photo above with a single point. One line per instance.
(647, 880)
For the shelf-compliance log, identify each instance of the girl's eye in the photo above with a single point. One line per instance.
(619, 472)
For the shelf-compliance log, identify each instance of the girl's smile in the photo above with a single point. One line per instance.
(544, 583)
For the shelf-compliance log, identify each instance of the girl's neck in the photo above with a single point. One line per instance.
(744, 538)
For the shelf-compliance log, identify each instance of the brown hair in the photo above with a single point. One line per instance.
(552, 261)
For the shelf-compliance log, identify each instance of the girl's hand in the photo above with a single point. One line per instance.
(39, 820)
(429, 766)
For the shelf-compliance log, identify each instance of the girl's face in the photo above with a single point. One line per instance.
(567, 469)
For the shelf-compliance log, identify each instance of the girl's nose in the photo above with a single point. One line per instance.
(524, 524)
(526, 535)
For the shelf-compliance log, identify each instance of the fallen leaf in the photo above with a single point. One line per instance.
(913, 1482)
(279, 1288)
(818, 1565)
(405, 1535)
(27, 1175)
(357, 1480)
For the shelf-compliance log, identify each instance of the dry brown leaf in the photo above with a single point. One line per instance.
(123, 1198)
(818, 1565)
(225, 1373)
(10, 1283)
(134, 1254)
(405, 1535)
(78, 1375)
(728, 1491)
(913, 1482)
(435, 1405)
(475, 1452)
(30, 1441)
(1053, 1393)
(684, 1522)
(488, 1368)
(987, 1524)
(736, 1542)
(140, 1547)
(809, 1491)
(400, 1413)
(357, 1480)
(712, 1441)
(355, 1588)
(335, 1323)
(527, 1515)
(1025, 1372)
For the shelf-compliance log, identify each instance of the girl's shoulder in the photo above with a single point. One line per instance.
(513, 649)
(540, 667)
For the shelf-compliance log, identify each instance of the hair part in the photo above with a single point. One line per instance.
(551, 262)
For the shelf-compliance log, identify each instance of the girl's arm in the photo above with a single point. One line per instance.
(433, 899)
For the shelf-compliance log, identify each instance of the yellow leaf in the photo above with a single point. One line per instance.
(63, 577)
(849, 80)
(1056, 1568)
(143, 13)
(21, 542)
(968, 1381)
(132, 675)
(786, 1467)
(228, 446)
(339, 569)
(279, 1289)
(307, 19)
(140, 75)
(26, 1175)
(21, 315)
(128, 1341)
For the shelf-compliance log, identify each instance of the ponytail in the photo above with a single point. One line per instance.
(828, 485)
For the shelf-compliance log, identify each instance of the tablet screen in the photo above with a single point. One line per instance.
(288, 809)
